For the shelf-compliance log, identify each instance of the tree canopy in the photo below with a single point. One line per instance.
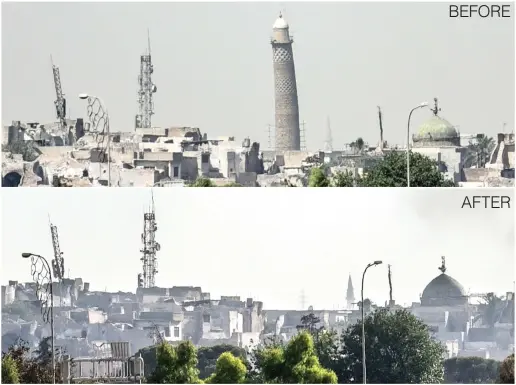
(471, 370)
(392, 172)
(29, 369)
(175, 364)
(507, 370)
(318, 178)
(228, 370)
(202, 182)
(208, 356)
(10, 373)
(478, 152)
(293, 363)
(399, 350)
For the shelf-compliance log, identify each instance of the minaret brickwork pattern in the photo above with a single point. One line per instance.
(286, 102)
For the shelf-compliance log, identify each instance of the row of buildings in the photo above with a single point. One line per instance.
(175, 156)
(87, 320)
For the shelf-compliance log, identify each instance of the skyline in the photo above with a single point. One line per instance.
(220, 77)
(228, 248)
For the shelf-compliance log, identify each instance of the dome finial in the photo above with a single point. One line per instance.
(436, 107)
(443, 265)
(280, 15)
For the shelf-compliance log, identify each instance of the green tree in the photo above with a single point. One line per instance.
(31, 370)
(327, 349)
(293, 363)
(471, 370)
(507, 370)
(490, 308)
(202, 182)
(392, 172)
(207, 357)
(176, 364)
(233, 184)
(478, 153)
(311, 323)
(344, 179)
(229, 370)
(399, 349)
(318, 178)
(10, 374)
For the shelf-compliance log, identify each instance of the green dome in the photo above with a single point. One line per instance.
(443, 290)
(436, 130)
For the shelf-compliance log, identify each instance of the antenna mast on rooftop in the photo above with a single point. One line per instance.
(146, 91)
(60, 101)
(150, 247)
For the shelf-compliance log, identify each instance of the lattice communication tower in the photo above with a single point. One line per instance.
(150, 247)
(146, 91)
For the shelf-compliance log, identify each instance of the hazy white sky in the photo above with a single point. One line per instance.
(266, 243)
(213, 65)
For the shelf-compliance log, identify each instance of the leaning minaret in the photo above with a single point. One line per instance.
(287, 108)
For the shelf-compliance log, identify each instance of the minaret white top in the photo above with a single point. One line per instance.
(280, 23)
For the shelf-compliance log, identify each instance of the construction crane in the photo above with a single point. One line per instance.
(60, 101)
(146, 90)
(58, 261)
(150, 247)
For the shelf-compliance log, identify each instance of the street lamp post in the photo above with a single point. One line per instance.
(424, 104)
(375, 263)
(95, 118)
(41, 276)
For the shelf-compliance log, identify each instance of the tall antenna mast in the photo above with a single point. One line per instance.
(60, 101)
(146, 91)
(150, 247)
(381, 127)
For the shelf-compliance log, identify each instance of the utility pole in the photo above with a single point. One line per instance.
(381, 127)
(390, 285)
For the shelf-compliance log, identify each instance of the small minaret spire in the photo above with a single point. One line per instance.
(350, 294)
(443, 265)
